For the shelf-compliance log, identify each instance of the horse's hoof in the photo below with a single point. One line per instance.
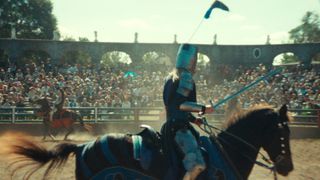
(66, 138)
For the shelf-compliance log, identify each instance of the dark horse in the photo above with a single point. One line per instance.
(229, 155)
(62, 118)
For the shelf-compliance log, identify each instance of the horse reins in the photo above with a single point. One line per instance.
(207, 128)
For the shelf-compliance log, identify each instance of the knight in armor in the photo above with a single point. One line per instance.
(57, 105)
(179, 96)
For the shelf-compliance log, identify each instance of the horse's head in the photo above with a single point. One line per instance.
(277, 142)
(43, 101)
(44, 104)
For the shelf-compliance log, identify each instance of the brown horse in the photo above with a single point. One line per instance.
(62, 118)
(230, 155)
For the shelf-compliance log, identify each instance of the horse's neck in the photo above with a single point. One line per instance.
(240, 154)
(45, 106)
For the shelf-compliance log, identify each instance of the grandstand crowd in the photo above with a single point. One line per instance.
(297, 85)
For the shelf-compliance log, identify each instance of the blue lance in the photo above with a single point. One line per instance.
(271, 73)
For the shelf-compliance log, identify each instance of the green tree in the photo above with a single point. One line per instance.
(203, 60)
(68, 38)
(113, 58)
(308, 31)
(83, 39)
(151, 58)
(288, 58)
(32, 19)
(155, 58)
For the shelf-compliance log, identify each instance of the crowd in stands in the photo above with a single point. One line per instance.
(298, 86)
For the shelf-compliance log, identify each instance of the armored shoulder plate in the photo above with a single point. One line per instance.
(185, 84)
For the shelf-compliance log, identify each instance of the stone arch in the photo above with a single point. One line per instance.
(203, 60)
(115, 59)
(223, 54)
(203, 66)
(157, 61)
(73, 57)
(286, 58)
(203, 75)
(36, 56)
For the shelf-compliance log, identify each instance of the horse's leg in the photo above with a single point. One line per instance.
(44, 132)
(87, 127)
(51, 135)
(47, 130)
(70, 130)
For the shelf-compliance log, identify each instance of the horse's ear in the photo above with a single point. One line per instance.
(283, 110)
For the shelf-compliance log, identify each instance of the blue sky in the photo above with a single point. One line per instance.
(248, 22)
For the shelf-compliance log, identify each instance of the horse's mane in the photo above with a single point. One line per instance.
(242, 114)
(44, 103)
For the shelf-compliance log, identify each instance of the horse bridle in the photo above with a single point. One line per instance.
(272, 166)
(280, 157)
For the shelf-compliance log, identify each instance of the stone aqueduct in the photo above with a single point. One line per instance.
(232, 55)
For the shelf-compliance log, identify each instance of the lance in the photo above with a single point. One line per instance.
(271, 73)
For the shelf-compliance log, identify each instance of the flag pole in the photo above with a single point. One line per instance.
(271, 73)
(215, 4)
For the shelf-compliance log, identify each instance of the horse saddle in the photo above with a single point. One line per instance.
(145, 144)
(59, 114)
(219, 167)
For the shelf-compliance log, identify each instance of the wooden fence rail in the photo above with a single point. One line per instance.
(15, 115)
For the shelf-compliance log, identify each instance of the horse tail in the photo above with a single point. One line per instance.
(27, 152)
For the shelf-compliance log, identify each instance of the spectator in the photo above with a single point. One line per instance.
(85, 112)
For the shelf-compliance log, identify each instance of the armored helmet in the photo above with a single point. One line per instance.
(187, 57)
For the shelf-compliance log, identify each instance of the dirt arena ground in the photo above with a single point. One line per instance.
(306, 157)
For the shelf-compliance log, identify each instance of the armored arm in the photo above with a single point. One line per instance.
(187, 88)
(192, 107)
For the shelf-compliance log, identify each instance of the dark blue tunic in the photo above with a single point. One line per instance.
(176, 119)
(172, 101)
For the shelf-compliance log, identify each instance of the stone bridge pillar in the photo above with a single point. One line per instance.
(55, 58)
(136, 59)
(14, 56)
(96, 59)
(305, 58)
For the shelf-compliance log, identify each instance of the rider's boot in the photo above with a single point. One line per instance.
(194, 172)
